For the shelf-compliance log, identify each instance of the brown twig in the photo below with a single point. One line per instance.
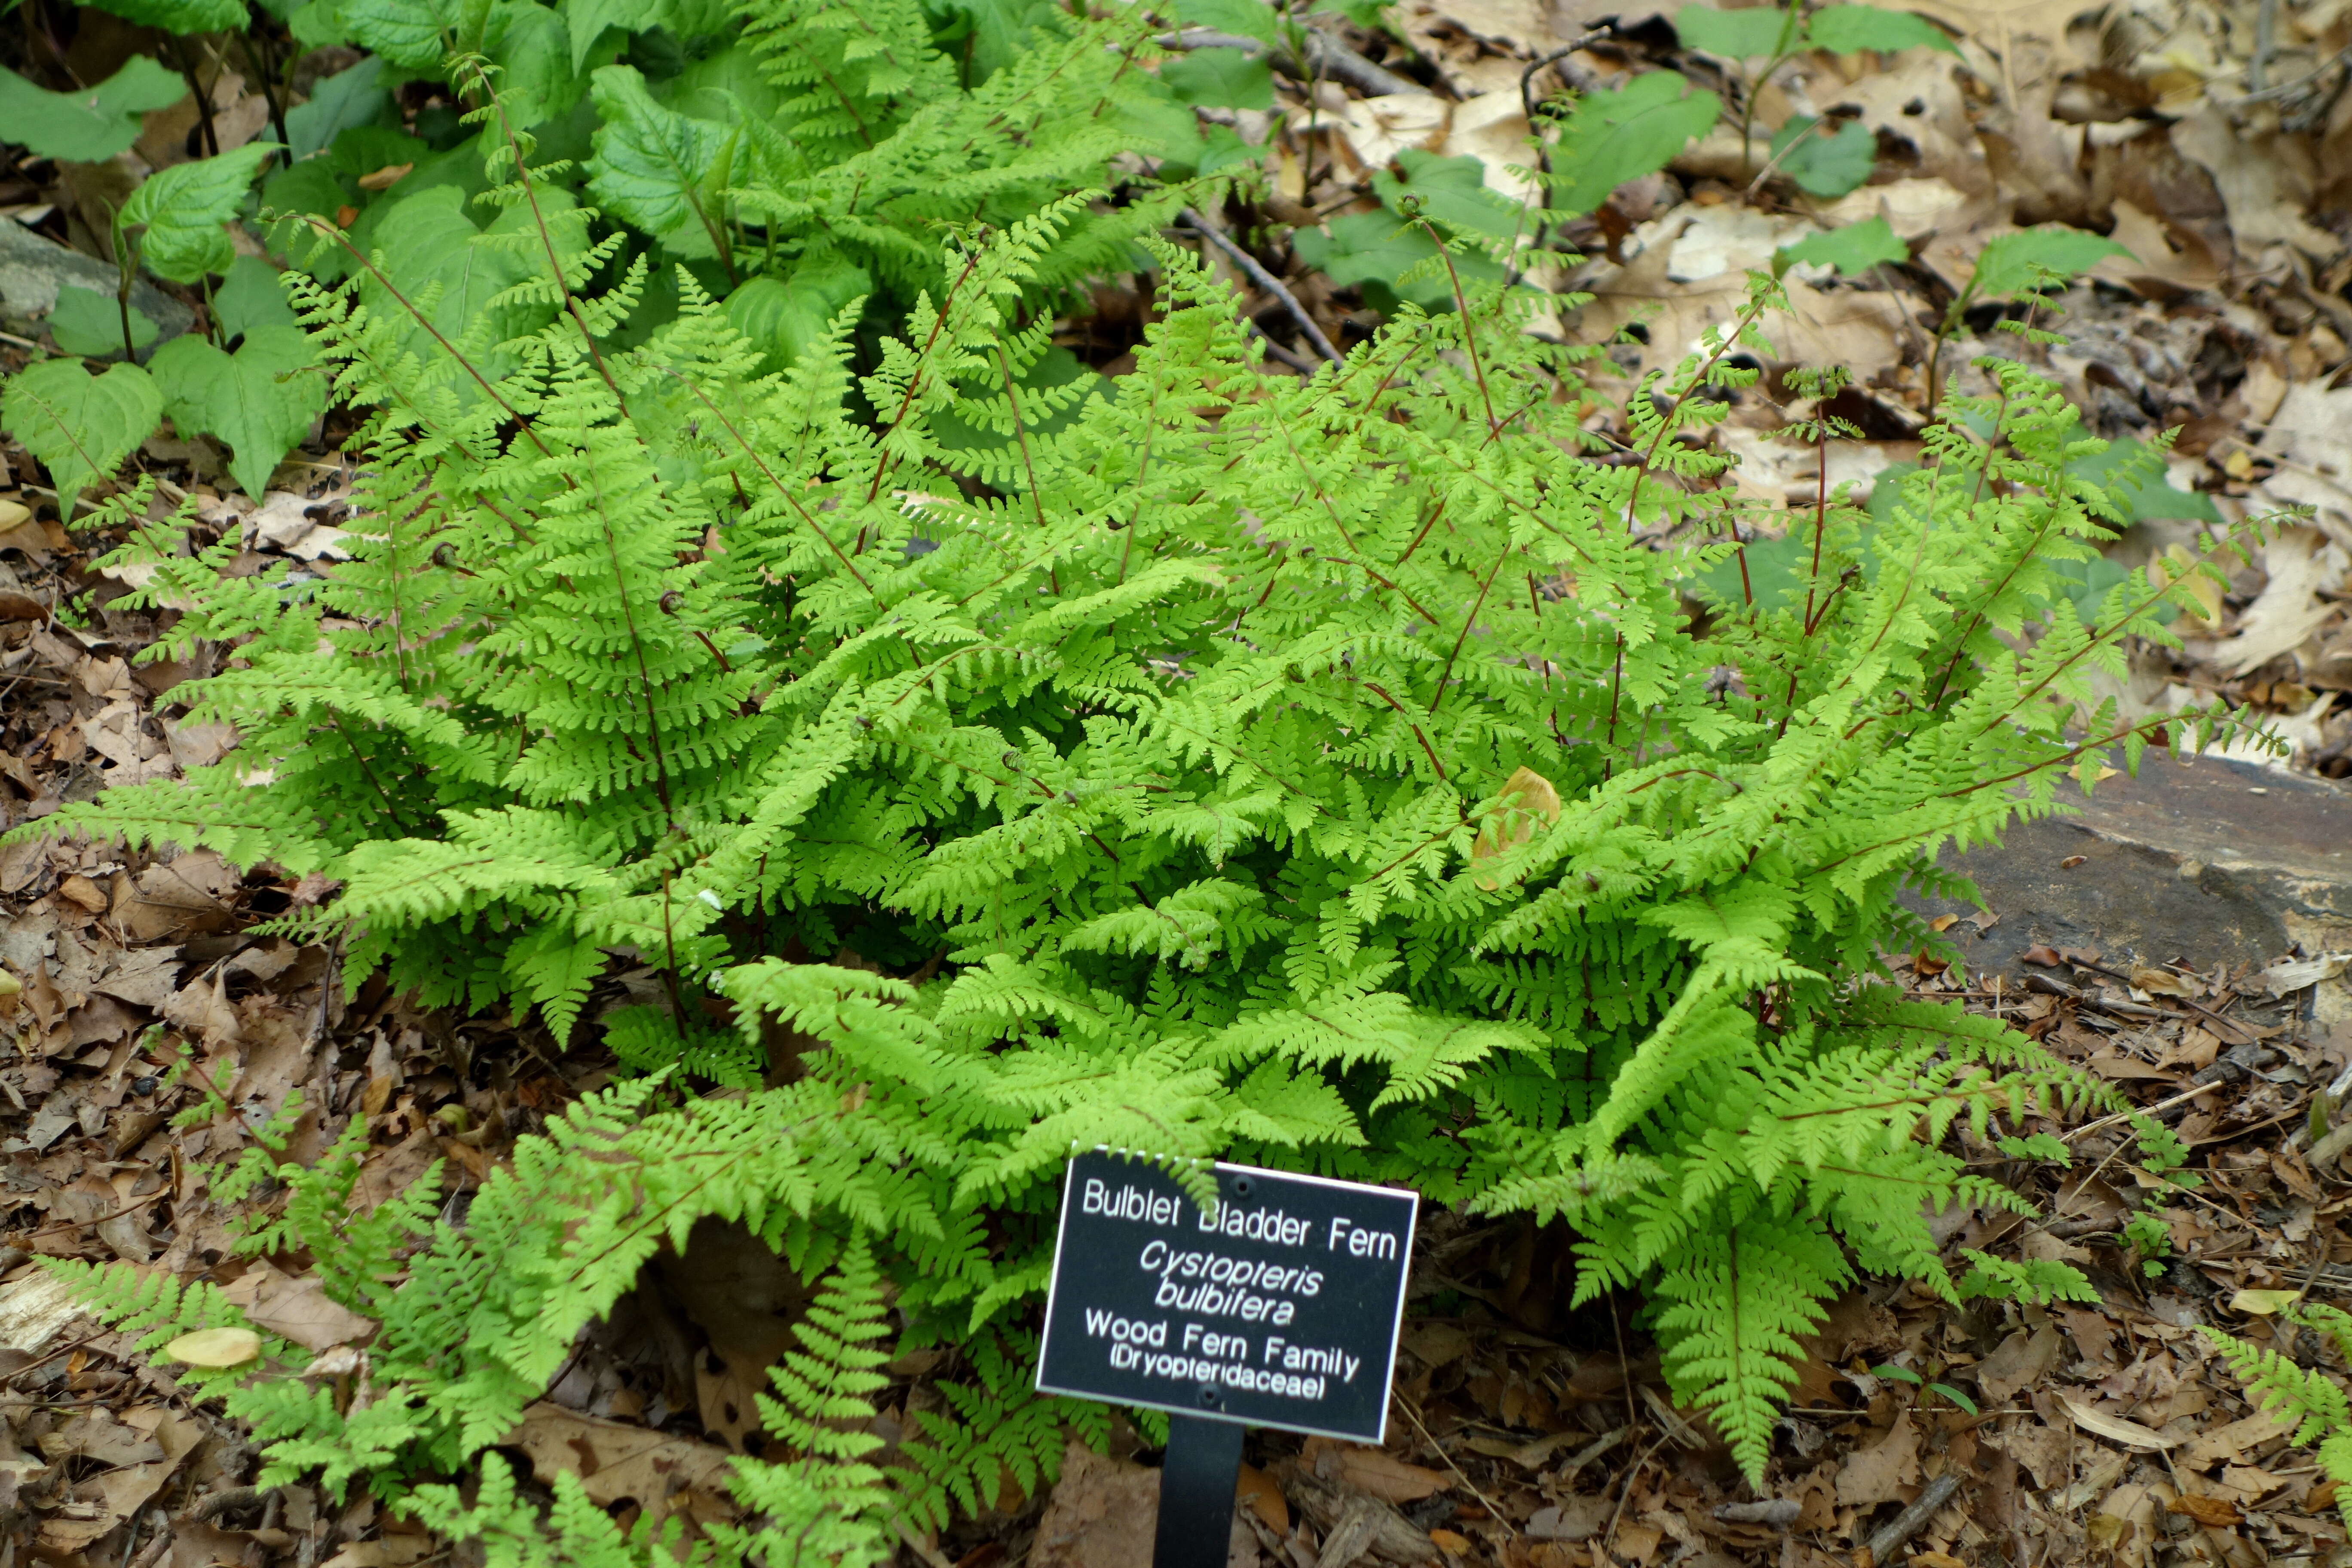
(1906, 1524)
(2246, 1038)
(1267, 281)
(1472, 1486)
(1633, 1473)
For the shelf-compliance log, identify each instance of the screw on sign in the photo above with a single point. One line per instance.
(1275, 1305)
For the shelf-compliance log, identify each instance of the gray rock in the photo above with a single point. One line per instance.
(2199, 862)
(32, 269)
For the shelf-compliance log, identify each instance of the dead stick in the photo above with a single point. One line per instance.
(1906, 1525)
(1269, 282)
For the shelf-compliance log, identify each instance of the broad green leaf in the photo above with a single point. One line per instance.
(415, 34)
(690, 19)
(78, 424)
(1151, 122)
(261, 400)
(1773, 567)
(1387, 255)
(2013, 262)
(1844, 29)
(90, 126)
(1852, 250)
(1759, 30)
(1826, 164)
(320, 25)
(182, 16)
(1000, 30)
(659, 170)
(1221, 78)
(2140, 499)
(1453, 191)
(1057, 368)
(1247, 18)
(1613, 136)
(729, 87)
(364, 149)
(429, 244)
(310, 186)
(251, 297)
(88, 322)
(783, 318)
(587, 20)
(349, 97)
(1222, 148)
(183, 208)
(531, 46)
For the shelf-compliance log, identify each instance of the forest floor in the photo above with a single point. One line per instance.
(1524, 1431)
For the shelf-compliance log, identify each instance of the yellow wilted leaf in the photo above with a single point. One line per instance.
(2177, 565)
(2262, 1303)
(215, 1347)
(1526, 799)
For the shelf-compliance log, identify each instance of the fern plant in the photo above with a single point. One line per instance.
(2306, 1397)
(1328, 771)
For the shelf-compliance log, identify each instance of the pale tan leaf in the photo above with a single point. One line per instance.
(2262, 1303)
(2114, 1429)
(215, 1347)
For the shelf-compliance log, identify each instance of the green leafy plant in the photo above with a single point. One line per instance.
(87, 322)
(799, 153)
(1777, 35)
(260, 399)
(2162, 1152)
(2151, 1240)
(1591, 142)
(176, 222)
(2307, 1396)
(2010, 265)
(80, 426)
(1612, 135)
(2036, 1281)
(87, 126)
(1853, 249)
(1825, 158)
(1325, 770)
(1943, 1391)
(1393, 253)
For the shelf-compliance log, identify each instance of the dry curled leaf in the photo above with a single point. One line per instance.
(1525, 801)
(2114, 1429)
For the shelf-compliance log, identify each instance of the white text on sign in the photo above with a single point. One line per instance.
(1128, 1202)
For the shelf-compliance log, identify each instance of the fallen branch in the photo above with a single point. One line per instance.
(1906, 1525)
(1326, 57)
(1269, 282)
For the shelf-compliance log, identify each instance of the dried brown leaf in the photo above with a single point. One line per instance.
(1880, 1473)
(299, 1309)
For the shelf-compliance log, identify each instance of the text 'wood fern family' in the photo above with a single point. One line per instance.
(1332, 772)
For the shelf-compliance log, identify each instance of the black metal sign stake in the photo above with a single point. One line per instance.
(1197, 1480)
(1275, 1305)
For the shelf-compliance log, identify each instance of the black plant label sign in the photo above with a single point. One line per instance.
(1278, 1306)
